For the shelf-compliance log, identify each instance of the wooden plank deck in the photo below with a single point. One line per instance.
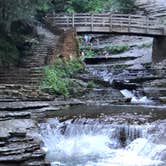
(109, 23)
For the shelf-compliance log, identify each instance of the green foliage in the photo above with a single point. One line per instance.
(82, 6)
(91, 84)
(125, 6)
(117, 49)
(44, 6)
(56, 77)
(79, 5)
(8, 52)
(119, 67)
(12, 10)
(146, 45)
(89, 53)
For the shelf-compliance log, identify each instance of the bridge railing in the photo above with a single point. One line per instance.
(106, 20)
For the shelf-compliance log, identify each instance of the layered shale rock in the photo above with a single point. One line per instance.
(18, 144)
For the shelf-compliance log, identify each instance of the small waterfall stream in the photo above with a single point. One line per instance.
(108, 76)
(99, 142)
(117, 135)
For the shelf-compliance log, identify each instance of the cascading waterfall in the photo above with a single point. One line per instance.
(107, 76)
(104, 74)
(96, 142)
(136, 99)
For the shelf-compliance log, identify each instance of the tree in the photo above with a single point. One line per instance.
(79, 5)
(12, 10)
(124, 6)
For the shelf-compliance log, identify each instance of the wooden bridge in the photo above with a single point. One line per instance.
(110, 23)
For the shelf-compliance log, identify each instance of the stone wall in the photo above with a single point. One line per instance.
(159, 49)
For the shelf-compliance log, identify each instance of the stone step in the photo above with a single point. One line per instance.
(155, 92)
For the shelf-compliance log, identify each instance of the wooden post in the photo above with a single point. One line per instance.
(73, 20)
(92, 22)
(164, 30)
(129, 24)
(67, 20)
(54, 14)
(98, 42)
(147, 24)
(110, 22)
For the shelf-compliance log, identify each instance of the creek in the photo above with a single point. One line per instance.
(106, 135)
(120, 134)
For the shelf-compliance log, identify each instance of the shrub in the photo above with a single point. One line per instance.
(146, 45)
(117, 49)
(124, 6)
(91, 84)
(89, 53)
(9, 54)
(56, 77)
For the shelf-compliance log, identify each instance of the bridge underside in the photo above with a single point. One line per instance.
(118, 30)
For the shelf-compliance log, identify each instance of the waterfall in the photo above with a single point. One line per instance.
(92, 142)
(136, 99)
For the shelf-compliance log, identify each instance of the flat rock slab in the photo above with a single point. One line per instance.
(9, 106)
(6, 115)
(163, 99)
(15, 127)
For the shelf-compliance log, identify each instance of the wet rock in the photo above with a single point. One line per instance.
(14, 158)
(124, 85)
(80, 82)
(4, 134)
(2, 143)
(162, 99)
(136, 66)
(14, 144)
(18, 132)
(36, 163)
(9, 106)
(155, 93)
(158, 132)
(6, 115)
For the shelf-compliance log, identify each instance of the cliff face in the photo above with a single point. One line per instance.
(152, 7)
(67, 47)
(155, 8)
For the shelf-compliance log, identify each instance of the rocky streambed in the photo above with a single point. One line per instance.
(113, 93)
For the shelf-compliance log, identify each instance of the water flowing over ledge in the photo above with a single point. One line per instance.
(102, 142)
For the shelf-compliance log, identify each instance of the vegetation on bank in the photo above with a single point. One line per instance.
(57, 77)
(89, 52)
(30, 11)
(82, 6)
(116, 49)
(8, 52)
(146, 45)
(113, 49)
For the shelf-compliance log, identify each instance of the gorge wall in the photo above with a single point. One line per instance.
(159, 49)
(67, 47)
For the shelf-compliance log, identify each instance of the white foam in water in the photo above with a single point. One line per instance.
(142, 100)
(134, 99)
(91, 148)
(127, 93)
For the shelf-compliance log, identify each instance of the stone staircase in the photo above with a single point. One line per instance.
(47, 42)
(22, 83)
(25, 76)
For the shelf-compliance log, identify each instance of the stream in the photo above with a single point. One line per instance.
(106, 136)
(131, 134)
